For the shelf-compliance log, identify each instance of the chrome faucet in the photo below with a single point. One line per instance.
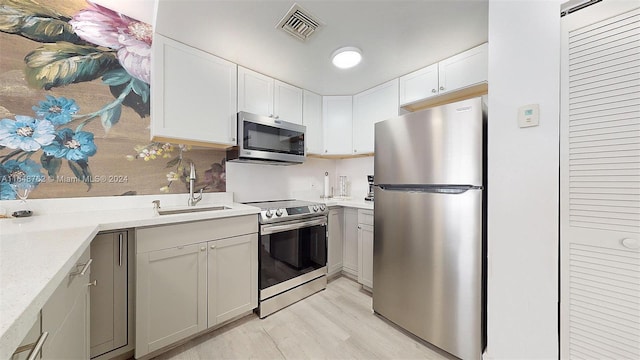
(193, 200)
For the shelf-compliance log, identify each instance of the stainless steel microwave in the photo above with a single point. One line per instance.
(263, 139)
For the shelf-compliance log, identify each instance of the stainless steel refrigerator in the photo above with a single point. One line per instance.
(429, 233)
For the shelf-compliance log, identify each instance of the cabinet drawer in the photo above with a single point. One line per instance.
(365, 217)
(168, 236)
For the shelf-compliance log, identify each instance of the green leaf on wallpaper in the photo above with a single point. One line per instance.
(117, 76)
(51, 164)
(81, 170)
(29, 8)
(111, 116)
(63, 63)
(173, 162)
(14, 12)
(141, 88)
(48, 30)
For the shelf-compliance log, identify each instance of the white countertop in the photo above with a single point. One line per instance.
(37, 252)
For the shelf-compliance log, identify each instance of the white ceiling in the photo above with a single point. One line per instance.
(396, 37)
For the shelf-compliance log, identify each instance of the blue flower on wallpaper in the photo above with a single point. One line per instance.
(72, 145)
(26, 133)
(27, 171)
(12, 172)
(57, 110)
(6, 192)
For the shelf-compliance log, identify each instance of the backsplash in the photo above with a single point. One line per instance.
(75, 108)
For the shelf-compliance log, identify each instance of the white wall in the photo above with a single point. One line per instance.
(254, 182)
(356, 171)
(143, 10)
(524, 58)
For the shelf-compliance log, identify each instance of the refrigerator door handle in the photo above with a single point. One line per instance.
(440, 189)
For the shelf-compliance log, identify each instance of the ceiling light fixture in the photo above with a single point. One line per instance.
(346, 57)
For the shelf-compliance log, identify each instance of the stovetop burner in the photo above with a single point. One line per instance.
(283, 210)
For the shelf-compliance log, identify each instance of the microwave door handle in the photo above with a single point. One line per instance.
(271, 229)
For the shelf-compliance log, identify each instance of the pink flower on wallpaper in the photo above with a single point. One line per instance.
(131, 38)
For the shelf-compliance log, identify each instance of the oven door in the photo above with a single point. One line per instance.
(290, 250)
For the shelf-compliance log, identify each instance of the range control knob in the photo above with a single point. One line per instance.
(315, 208)
(279, 212)
(323, 207)
(268, 213)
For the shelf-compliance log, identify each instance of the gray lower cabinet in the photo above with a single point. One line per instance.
(335, 242)
(350, 246)
(365, 248)
(232, 277)
(193, 276)
(65, 316)
(112, 297)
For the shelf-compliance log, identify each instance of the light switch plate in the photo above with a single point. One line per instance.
(529, 115)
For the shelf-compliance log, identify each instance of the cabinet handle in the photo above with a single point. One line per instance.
(630, 243)
(93, 283)
(213, 247)
(120, 240)
(433, 91)
(326, 151)
(85, 267)
(38, 347)
(277, 116)
(355, 151)
(233, 139)
(203, 248)
(270, 115)
(441, 87)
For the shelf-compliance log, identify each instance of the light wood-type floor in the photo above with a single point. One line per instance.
(336, 323)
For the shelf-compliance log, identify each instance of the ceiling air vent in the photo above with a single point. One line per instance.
(299, 23)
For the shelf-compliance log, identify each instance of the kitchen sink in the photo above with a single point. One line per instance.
(191, 209)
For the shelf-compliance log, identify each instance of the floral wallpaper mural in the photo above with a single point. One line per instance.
(75, 107)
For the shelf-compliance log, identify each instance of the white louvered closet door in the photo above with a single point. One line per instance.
(600, 182)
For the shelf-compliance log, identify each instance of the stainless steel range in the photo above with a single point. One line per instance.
(292, 254)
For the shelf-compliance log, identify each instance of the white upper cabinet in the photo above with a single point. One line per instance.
(418, 85)
(369, 107)
(462, 70)
(255, 92)
(312, 119)
(194, 97)
(337, 124)
(287, 102)
(263, 95)
(448, 76)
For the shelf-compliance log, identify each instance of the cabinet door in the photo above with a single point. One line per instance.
(419, 85)
(312, 119)
(337, 124)
(232, 277)
(369, 107)
(194, 95)
(109, 300)
(65, 316)
(365, 255)
(465, 69)
(255, 92)
(335, 243)
(171, 295)
(350, 246)
(287, 102)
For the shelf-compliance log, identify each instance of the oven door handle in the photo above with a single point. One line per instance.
(272, 229)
